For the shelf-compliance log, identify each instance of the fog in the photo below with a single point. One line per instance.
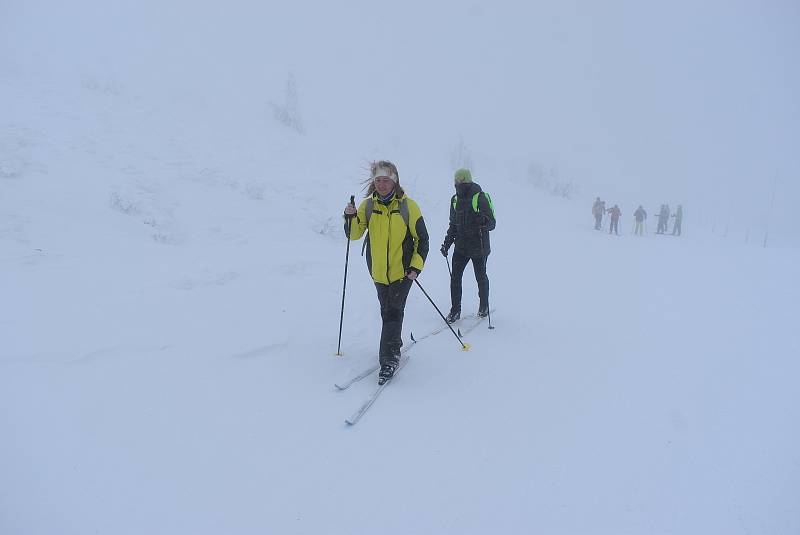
(637, 102)
(172, 177)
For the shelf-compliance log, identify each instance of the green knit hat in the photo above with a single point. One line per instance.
(463, 175)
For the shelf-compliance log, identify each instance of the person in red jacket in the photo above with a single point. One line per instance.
(616, 213)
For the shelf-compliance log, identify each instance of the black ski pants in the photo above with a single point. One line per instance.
(614, 226)
(392, 298)
(460, 262)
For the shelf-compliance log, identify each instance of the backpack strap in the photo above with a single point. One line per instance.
(488, 198)
(404, 211)
(368, 209)
(367, 214)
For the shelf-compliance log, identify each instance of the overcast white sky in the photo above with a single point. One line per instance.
(693, 102)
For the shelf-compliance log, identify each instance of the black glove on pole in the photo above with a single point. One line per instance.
(344, 286)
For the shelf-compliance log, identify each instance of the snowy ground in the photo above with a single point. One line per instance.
(169, 326)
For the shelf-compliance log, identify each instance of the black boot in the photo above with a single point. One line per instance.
(386, 373)
(483, 311)
(454, 316)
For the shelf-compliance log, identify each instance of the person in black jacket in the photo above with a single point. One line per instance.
(471, 220)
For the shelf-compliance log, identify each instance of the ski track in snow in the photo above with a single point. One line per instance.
(263, 351)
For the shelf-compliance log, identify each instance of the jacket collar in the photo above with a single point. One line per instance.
(394, 198)
(467, 189)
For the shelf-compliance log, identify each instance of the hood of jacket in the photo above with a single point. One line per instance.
(467, 190)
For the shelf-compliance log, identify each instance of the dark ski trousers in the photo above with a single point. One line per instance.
(598, 221)
(676, 228)
(614, 226)
(479, 266)
(392, 298)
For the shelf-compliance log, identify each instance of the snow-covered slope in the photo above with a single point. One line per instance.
(171, 255)
(171, 291)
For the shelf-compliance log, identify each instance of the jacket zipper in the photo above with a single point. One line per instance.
(388, 241)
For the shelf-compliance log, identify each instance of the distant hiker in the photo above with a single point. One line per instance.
(678, 215)
(471, 220)
(660, 225)
(663, 219)
(639, 215)
(598, 209)
(397, 244)
(615, 215)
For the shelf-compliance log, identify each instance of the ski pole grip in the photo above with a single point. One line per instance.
(353, 202)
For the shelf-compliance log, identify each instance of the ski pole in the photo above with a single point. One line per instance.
(464, 347)
(483, 254)
(344, 286)
(448, 266)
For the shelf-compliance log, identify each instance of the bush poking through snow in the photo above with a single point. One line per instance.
(287, 113)
(550, 181)
(123, 204)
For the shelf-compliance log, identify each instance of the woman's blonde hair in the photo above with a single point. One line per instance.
(369, 182)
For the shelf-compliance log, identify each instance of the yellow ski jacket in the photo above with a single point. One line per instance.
(397, 240)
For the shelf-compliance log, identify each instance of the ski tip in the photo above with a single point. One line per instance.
(412, 337)
(466, 347)
(459, 333)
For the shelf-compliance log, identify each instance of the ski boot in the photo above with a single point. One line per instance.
(386, 373)
(483, 311)
(453, 317)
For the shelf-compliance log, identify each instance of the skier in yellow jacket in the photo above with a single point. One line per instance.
(397, 245)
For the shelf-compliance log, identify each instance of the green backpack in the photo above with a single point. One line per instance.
(454, 201)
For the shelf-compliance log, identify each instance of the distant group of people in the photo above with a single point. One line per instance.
(640, 216)
(663, 220)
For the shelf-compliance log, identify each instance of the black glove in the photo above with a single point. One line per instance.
(483, 222)
(444, 250)
(353, 204)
